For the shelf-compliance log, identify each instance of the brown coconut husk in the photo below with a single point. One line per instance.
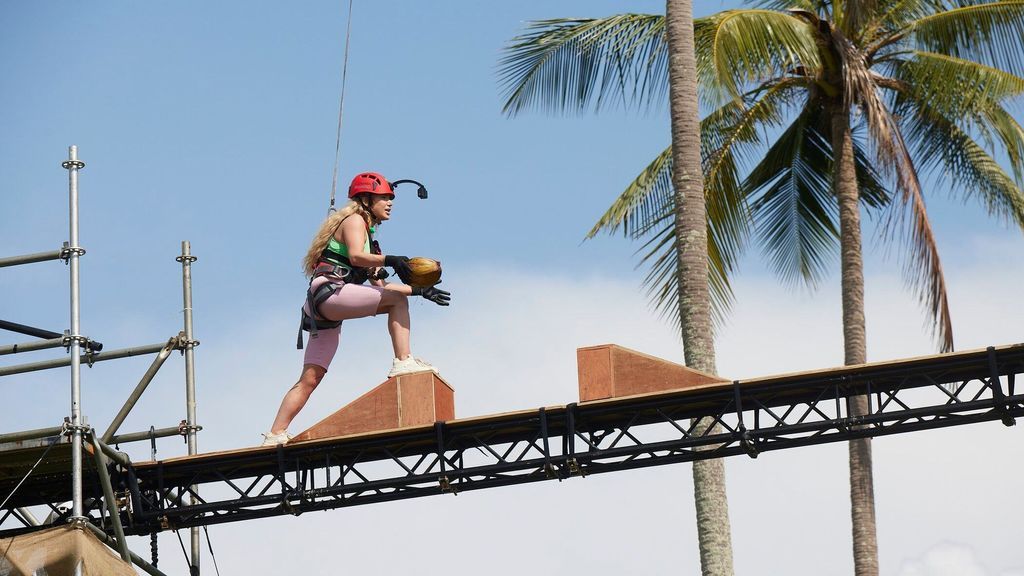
(425, 272)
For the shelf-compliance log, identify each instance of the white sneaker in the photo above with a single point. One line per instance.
(427, 365)
(408, 365)
(271, 439)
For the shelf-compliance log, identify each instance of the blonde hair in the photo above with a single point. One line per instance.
(327, 230)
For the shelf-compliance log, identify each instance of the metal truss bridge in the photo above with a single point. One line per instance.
(553, 443)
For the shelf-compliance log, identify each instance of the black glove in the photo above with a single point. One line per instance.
(401, 266)
(435, 295)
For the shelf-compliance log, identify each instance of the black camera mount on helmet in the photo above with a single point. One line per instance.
(421, 192)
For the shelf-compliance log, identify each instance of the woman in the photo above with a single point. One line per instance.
(341, 258)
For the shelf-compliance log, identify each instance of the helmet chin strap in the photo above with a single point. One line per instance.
(421, 192)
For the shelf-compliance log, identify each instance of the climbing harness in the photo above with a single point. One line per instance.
(339, 271)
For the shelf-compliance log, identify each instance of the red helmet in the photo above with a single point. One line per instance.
(369, 183)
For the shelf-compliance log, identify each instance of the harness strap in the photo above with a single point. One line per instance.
(314, 298)
(331, 264)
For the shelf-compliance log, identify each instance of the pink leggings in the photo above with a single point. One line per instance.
(348, 302)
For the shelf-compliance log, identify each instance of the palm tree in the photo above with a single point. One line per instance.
(693, 295)
(690, 262)
(838, 107)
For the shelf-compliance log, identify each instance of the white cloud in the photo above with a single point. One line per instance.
(949, 559)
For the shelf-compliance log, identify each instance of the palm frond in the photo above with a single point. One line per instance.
(990, 32)
(874, 194)
(794, 207)
(972, 173)
(737, 48)
(957, 87)
(571, 65)
(728, 135)
(647, 208)
(661, 281)
(895, 18)
(644, 201)
(783, 5)
(921, 262)
(1010, 133)
(854, 17)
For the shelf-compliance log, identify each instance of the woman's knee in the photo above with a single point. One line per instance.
(312, 375)
(392, 299)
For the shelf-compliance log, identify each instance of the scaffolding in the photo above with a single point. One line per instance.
(74, 440)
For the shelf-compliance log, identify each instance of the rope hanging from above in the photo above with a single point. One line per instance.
(341, 109)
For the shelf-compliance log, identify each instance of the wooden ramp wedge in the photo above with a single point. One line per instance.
(612, 371)
(399, 402)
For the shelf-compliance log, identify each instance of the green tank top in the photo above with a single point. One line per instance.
(340, 248)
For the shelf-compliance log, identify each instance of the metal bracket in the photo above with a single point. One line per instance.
(66, 251)
(68, 338)
(446, 486)
(69, 164)
(442, 478)
(746, 439)
(549, 469)
(70, 428)
(78, 522)
(998, 396)
(186, 344)
(575, 469)
(184, 429)
(190, 259)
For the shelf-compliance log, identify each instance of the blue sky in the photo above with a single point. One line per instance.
(215, 123)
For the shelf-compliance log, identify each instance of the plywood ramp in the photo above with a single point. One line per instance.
(611, 371)
(406, 400)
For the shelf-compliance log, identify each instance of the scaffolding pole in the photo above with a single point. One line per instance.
(88, 358)
(189, 345)
(31, 346)
(172, 344)
(31, 434)
(108, 496)
(30, 258)
(54, 338)
(74, 252)
(148, 434)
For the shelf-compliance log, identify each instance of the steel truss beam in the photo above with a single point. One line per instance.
(575, 440)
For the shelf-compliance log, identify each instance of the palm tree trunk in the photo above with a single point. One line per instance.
(862, 495)
(712, 506)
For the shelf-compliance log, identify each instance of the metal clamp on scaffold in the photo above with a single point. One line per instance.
(66, 251)
(185, 344)
(70, 428)
(68, 338)
(184, 429)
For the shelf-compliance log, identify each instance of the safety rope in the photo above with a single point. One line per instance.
(341, 109)
(30, 470)
(191, 569)
(210, 546)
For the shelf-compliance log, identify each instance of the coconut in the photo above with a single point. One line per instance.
(424, 272)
